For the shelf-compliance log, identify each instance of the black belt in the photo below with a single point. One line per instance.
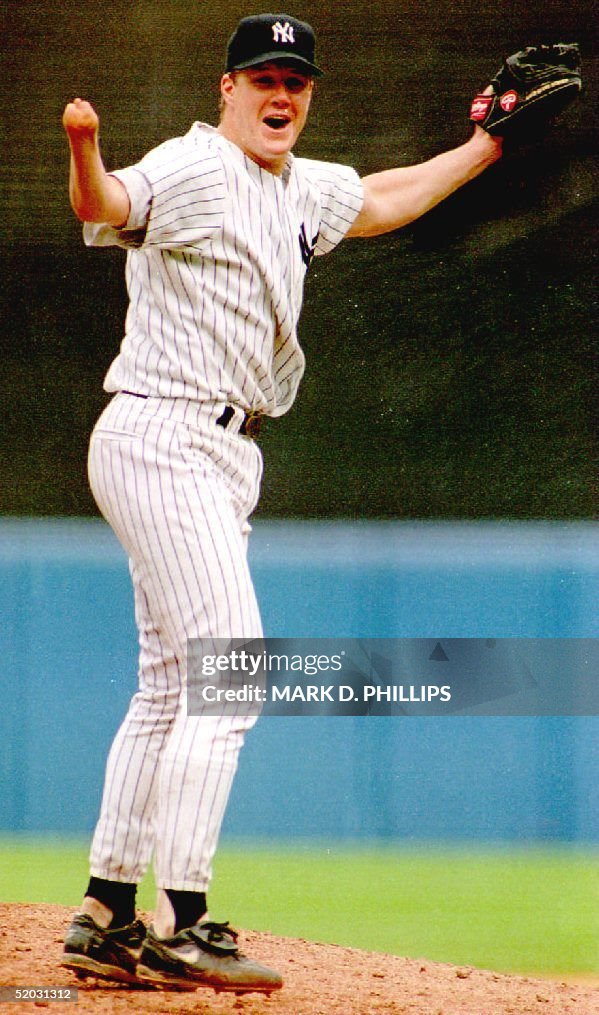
(250, 427)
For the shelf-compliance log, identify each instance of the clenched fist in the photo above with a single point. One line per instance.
(80, 120)
(95, 196)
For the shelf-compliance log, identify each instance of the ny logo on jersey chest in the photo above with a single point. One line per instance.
(306, 248)
(282, 33)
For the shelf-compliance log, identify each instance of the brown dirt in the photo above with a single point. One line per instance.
(319, 980)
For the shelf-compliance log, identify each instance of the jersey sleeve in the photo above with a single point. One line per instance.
(177, 196)
(132, 235)
(341, 195)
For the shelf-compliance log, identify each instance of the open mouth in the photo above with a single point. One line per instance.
(277, 122)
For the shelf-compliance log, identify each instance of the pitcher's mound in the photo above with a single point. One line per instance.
(319, 980)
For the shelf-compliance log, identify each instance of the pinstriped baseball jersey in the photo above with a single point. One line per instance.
(218, 251)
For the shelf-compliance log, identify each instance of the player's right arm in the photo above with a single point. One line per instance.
(95, 196)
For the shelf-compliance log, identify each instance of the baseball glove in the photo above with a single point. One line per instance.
(531, 87)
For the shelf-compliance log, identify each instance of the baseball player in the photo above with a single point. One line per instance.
(220, 227)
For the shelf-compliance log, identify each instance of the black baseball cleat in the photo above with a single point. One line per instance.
(110, 954)
(203, 956)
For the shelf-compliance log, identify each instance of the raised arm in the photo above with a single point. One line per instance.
(396, 197)
(95, 196)
(531, 87)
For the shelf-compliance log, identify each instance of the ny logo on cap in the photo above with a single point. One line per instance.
(282, 33)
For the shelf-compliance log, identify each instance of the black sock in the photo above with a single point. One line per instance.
(117, 896)
(189, 907)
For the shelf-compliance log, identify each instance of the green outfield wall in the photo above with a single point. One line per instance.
(68, 669)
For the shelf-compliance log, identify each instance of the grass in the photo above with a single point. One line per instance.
(513, 910)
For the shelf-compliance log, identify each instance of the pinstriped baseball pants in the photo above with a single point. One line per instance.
(178, 490)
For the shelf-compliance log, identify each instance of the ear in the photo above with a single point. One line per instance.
(227, 87)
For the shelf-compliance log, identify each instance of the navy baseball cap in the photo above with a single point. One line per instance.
(263, 38)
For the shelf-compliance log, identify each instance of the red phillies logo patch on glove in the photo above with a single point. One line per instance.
(480, 107)
(507, 101)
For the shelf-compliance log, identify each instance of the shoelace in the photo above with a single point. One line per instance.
(218, 938)
(137, 934)
(220, 931)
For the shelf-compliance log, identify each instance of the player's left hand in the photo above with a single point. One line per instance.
(529, 90)
(483, 136)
